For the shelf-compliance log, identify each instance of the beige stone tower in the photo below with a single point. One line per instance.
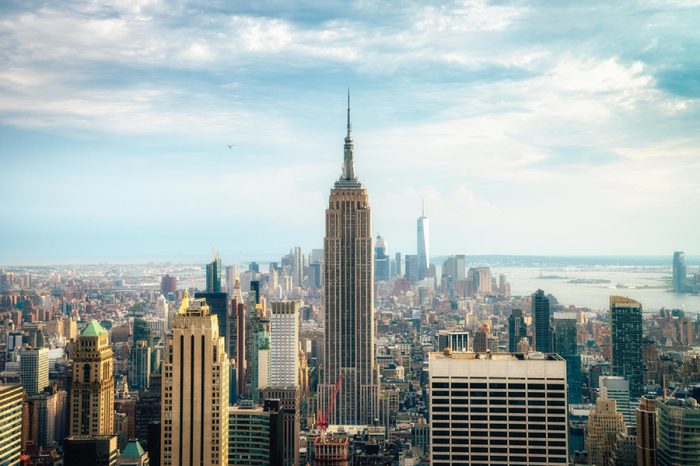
(349, 300)
(194, 414)
(92, 390)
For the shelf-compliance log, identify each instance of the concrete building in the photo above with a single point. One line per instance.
(34, 370)
(92, 389)
(284, 332)
(348, 300)
(11, 427)
(604, 423)
(194, 413)
(497, 408)
(626, 339)
(618, 388)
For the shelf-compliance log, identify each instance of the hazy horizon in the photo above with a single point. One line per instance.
(524, 129)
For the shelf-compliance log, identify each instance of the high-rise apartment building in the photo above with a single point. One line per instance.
(604, 424)
(646, 432)
(677, 424)
(214, 275)
(92, 389)
(194, 415)
(679, 272)
(34, 370)
(348, 300)
(423, 239)
(626, 339)
(517, 329)
(11, 427)
(284, 332)
(497, 408)
(542, 336)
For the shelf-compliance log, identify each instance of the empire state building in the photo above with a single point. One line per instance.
(348, 300)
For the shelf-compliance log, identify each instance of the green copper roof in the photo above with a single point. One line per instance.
(133, 449)
(93, 329)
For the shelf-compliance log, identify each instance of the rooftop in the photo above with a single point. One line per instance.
(462, 355)
(93, 329)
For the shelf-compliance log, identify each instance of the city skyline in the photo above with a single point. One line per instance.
(125, 136)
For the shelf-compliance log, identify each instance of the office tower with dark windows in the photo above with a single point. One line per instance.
(542, 335)
(626, 340)
(382, 270)
(677, 438)
(646, 432)
(214, 275)
(11, 397)
(92, 388)
(422, 239)
(139, 365)
(349, 300)
(412, 268)
(248, 435)
(565, 343)
(679, 272)
(34, 370)
(194, 413)
(517, 329)
(497, 408)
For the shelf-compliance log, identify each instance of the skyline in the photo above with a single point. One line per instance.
(113, 149)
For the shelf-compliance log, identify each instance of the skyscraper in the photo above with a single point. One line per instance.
(678, 442)
(168, 284)
(604, 423)
(140, 365)
(349, 300)
(626, 339)
(490, 409)
(679, 272)
(34, 370)
(517, 329)
(194, 415)
(11, 426)
(565, 343)
(617, 388)
(646, 432)
(284, 330)
(423, 237)
(92, 389)
(540, 316)
(382, 270)
(214, 275)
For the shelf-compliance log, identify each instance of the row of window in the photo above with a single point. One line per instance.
(500, 385)
(513, 437)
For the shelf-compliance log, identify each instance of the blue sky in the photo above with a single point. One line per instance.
(529, 127)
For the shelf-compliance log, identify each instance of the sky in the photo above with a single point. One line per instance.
(528, 127)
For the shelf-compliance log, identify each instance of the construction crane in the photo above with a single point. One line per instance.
(322, 421)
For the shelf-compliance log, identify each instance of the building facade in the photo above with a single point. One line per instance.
(92, 389)
(284, 332)
(11, 426)
(34, 370)
(646, 432)
(497, 408)
(194, 413)
(626, 339)
(348, 300)
(677, 426)
(542, 336)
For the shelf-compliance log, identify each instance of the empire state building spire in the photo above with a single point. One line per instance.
(348, 159)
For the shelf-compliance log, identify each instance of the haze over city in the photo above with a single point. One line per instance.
(525, 129)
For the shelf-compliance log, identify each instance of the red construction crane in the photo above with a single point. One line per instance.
(322, 421)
